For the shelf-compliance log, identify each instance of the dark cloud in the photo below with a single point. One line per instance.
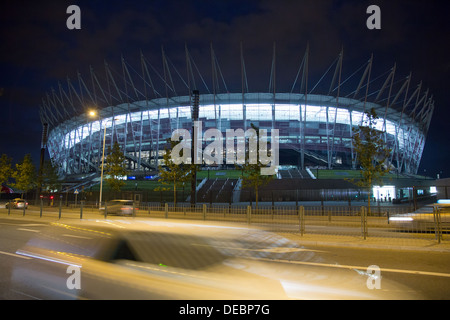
(38, 50)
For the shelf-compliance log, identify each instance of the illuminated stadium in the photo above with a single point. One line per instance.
(140, 106)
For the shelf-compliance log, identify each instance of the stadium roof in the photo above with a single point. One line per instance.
(392, 96)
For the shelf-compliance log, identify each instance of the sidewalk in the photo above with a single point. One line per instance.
(371, 242)
(427, 242)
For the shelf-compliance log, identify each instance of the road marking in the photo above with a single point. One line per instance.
(74, 236)
(270, 250)
(14, 255)
(25, 294)
(316, 264)
(10, 224)
(33, 225)
(23, 224)
(285, 250)
(29, 230)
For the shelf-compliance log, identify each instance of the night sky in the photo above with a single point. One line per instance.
(38, 50)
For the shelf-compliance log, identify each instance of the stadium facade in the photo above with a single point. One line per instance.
(315, 128)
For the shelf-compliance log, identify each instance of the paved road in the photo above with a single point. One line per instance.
(426, 274)
(14, 234)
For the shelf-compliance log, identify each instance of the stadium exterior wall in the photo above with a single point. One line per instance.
(315, 130)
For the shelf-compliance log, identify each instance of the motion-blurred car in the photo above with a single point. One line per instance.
(163, 259)
(119, 207)
(424, 219)
(17, 204)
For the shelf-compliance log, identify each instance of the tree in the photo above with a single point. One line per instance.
(371, 152)
(251, 172)
(25, 175)
(172, 174)
(50, 179)
(6, 170)
(115, 167)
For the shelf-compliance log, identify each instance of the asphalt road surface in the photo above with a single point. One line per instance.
(425, 275)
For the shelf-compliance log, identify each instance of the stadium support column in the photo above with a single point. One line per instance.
(305, 78)
(41, 161)
(244, 83)
(195, 113)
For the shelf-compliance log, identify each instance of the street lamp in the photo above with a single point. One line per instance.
(93, 113)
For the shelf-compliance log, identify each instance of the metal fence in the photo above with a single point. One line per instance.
(356, 221)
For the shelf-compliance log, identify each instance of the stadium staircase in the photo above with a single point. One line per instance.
(216, 191)
(294, 174)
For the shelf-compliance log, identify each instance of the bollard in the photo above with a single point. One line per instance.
(437, 224)
(81, 209)
(364, 222)
(60, 208)
(301, 219)
(273, 205)
(204, 211)
(40, 208)
(249, 214)
(24, 208)
(9, 207)
(166, 210)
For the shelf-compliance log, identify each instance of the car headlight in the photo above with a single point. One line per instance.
(401, 219)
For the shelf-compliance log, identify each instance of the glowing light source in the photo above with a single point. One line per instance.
(383, 192)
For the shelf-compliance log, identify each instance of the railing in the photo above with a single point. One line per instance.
(355, 221)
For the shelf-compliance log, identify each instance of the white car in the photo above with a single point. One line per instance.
(424, 219)
(17, 204)
(119, 207)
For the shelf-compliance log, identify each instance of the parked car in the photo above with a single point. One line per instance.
(119, 207)
(423, 219)
(17, 203)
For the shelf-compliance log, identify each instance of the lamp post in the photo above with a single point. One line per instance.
(92, 114)
(103, 163)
